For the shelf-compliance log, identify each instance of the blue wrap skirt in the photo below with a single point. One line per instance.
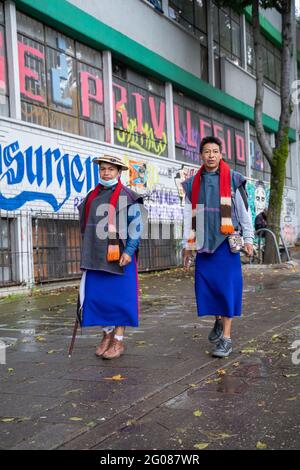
(111, 299)
(219, 283)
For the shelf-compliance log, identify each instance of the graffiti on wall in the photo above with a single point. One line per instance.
(139, 119)
(191, 127)
(41, 173)
(259, 193)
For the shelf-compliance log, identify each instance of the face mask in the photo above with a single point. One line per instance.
(109, 183)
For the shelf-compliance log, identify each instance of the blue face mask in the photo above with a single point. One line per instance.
(109, 183)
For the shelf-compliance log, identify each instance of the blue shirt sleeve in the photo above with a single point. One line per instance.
(135, 228)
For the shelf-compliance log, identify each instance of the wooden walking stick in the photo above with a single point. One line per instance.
(77, 322)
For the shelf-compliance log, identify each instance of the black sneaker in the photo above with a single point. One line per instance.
(223, 348)
(217, 332)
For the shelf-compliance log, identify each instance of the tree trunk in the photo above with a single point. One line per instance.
(279, 159)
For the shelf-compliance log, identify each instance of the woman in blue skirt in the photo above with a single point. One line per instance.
(111, 225)
(216, 211)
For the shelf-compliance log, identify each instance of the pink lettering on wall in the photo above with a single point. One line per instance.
(219, 133)
(205, 128)
(176, 124)
(158, 125)
(2, 66)
(139, 111)
(119, 106)
(229, 153)
(240, 148)
(190, 140)
(86, 95)
(23, 51)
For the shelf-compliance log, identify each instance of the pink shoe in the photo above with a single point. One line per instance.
(104, 345)
(115, 349)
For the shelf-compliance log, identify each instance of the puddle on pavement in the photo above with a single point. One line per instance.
(257, 288)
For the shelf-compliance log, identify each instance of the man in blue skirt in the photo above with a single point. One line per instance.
(216, 214)
(111, 225)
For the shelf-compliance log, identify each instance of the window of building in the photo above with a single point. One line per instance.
(4, 103)
(157, 5)
(8, 254)
(227, 38)
(139, 111)
(260, 168)
(271, 59)
(61, 80)
(191, 14)
(193, 121)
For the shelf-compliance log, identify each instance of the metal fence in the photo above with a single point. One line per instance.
(14, 247)
(44, 247)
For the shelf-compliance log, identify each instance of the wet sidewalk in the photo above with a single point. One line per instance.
(166, 392)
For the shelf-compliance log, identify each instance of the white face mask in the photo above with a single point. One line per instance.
(109, 183)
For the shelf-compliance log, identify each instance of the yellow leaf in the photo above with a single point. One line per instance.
(140, 343)
(197, 413)
(7, 420)
(74, 418)
(10, 369)
(192, 385)
(51, 351)
(289, 375)
(40, 338)
(201, 445)
(221, 372)
(115, 377)
(236, 364)
(247, 351)
(292, 398)
(261, 445)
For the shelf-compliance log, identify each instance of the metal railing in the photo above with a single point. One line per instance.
(260, 250)
(39, 247)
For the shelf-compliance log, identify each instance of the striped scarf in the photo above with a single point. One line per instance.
(113, 249)
(225, 202)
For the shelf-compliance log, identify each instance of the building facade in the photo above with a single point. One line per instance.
(144, 80)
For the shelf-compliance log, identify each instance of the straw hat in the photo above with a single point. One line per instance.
(110, 159)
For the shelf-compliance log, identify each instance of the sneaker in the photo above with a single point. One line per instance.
(217, 332)
(115, 349)
(223, 348)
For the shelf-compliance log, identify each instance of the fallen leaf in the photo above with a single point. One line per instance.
(76, 390)
(236, 364)
(221, 372)
(197, 413)
(115, 377)
(40, 338)
(247, 351)
(51, 351)
(74, 418)
(289, 375)
(292, 398)
(10, 369)
(201, 445)
(261, 445)
(7, 420)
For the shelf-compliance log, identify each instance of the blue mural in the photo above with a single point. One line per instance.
(44, 174)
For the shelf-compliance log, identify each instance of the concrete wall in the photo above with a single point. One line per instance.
(140, 22)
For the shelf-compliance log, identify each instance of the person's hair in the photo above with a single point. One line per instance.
(210, 139)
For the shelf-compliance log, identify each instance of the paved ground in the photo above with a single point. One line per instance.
(166, 392)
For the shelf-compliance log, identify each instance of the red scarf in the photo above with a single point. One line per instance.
(113, 250)
(225, 201)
